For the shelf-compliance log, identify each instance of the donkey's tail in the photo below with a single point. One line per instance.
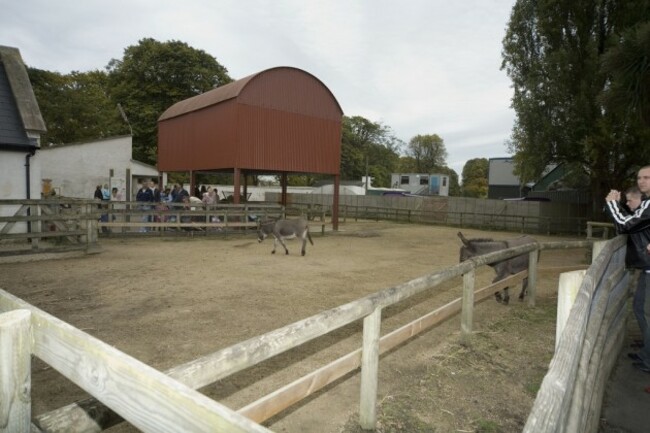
(309, 237)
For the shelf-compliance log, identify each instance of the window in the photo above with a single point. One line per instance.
(404, 180)
(424, 180)
(444, 181)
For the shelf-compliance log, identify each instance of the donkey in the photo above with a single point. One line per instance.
(285, 229)
(503, 268)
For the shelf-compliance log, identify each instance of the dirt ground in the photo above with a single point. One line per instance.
(167, 301)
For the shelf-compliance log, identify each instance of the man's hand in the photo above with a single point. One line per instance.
(613, 195)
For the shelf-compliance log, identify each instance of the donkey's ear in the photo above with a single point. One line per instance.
(462, 238)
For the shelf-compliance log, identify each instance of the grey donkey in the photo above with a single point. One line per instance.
(285, 229)
(503, 268)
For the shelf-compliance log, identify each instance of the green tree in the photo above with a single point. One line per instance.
(428, 151)
(75, 107)
(553, 53)
(407, 164)
(154, 75)
(368, 147)
(475, 178)
(627, 65)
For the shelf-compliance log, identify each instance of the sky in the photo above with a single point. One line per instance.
(416, 66)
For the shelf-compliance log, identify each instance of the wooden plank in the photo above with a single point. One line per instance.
(22, 210)
(551, 407)
(15, 372)
(302, 388)
(43, 217)
(468, 304)
(148, 399)
(599, 322)
(55, 234)
(61, 226)
(275, 402)
(177, 225)
(370, 370)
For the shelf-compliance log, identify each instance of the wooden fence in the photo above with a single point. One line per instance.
(160, 219)
(123, 388)
(486, 214)
(46, 227)
(38, 229)
(571, 395)
(483, 221)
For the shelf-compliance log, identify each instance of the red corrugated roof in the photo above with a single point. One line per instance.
(278, 120)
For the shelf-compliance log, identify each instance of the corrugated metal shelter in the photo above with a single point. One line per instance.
(279, 121)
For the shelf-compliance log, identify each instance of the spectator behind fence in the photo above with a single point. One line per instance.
(636, 224)
(144, 197)
(99, 194)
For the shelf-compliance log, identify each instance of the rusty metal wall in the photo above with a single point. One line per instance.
(283, 119)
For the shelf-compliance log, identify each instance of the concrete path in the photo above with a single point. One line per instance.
(626, 407)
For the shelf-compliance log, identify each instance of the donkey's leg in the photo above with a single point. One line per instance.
(275, 241)
(506, 295)
(304, 236)
(524, 289)
(286, 250)
(497, 295)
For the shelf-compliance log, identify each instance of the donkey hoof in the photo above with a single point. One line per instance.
(287, 253)
(506, 300)
(498, 297)
(272, 252)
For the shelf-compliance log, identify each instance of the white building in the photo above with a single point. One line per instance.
(421, 183)
(21, 126)
(74, 170)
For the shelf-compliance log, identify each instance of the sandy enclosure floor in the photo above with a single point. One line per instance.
(168, 301)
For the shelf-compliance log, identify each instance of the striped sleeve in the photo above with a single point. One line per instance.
(639, 219)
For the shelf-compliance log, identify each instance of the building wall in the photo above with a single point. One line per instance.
(13, 183)
(76, 169)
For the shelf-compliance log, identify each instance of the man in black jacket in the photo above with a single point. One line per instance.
(636, 224)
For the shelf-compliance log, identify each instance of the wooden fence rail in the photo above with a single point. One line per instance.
(127, 217)
(570, 398)
(484, 221)
(63, 346)
(38, 229)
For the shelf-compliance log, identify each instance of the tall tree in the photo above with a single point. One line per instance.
(475, 178)
(154, 75)
(75, 107)
(628, 67)
(553, 53)
(428, 151)
(368, 147)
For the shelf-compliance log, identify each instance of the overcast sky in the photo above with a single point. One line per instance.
(417, 66)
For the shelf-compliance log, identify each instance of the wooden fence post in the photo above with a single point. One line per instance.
(567, 291)
(596, 249)
(468, 304)
(370, 370)
(15, 372)
(532, 276)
